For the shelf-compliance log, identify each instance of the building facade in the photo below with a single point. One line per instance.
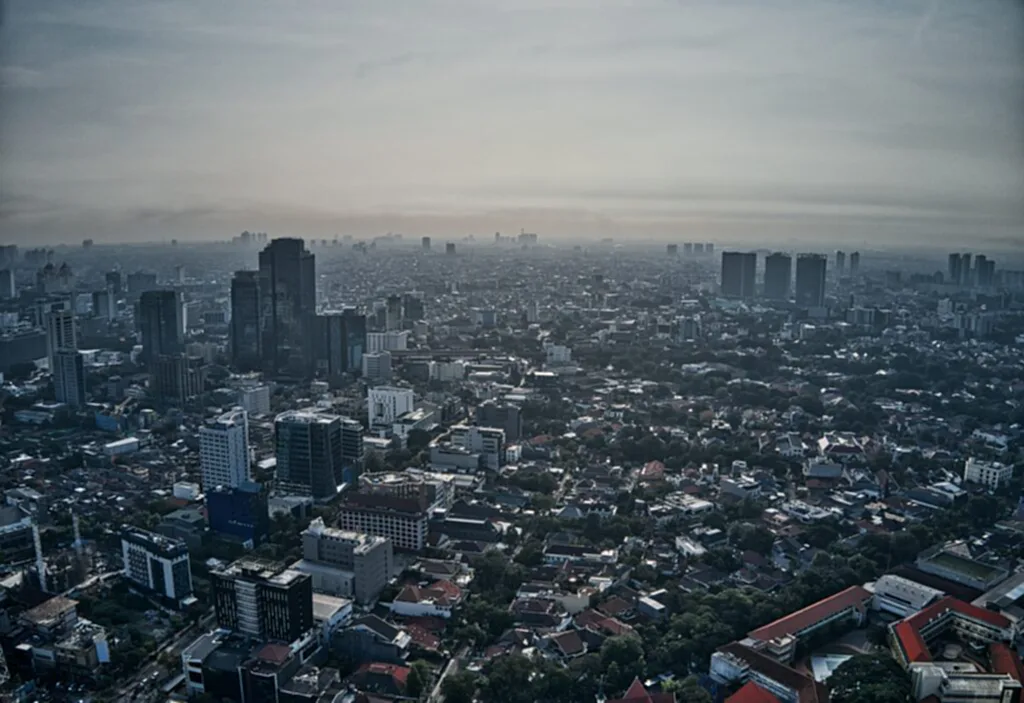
(287, 281)
(263, 600)
(309, 448)
(157, 563)
(224, 450)
(244, 333)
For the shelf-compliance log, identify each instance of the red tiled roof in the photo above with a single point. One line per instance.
(805, 617)
(751, 693)
(923, 617)
(1006, 661)
(399, 674)
(441, 592)
(614, 606)
(913, 645)
(423, 638)
(636, 693)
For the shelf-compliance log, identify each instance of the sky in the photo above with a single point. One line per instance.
(860, 121)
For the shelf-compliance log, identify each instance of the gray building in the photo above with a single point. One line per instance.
(288, 303)
(157, 563)
(358, 565)
(810, 280)
(310, 453)
(69, 377)
(245, 337)
(504, 416)
(160, 324)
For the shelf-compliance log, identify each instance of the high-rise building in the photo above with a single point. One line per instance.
(113, 281)
(965, 270)
(104, 304)
(240, 514)
(140, 282)
(263, 600)
(340, 340)
(425, 243)
(955, 271)
(60, 334)
(854, 263)
(739, 271)
(160, 324)
(224, 450)
(157, 563)
(709, 248)
(177, 378)
(288, 294)
(69, 377)
(986, 273)
(810, 280)
(687, 248)
(245, 336)
(840, 263)
(385, 403)
(351, 449)
(8, 289)
(672, 249)
(449, 248)
(506, 416)
(394, 313)
(309, 450)
(412, 303)
(778, 276)
(377, 367)
(366, 561)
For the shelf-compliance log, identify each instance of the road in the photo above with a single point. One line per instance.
(142, 685)
(452, 667)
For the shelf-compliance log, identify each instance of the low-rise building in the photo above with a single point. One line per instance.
(991, 474)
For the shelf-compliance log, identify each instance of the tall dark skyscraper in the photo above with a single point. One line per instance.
(810, 280)
(288, 303)
(854, 263)
(425, 243)
(340, 339)
(955, 271)
(739, 271)
(778, 276)
(840, 262)
(246, 339)
(113, 280)
(310, 459)
(160, 324)
(965, 269)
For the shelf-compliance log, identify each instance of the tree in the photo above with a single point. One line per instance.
(688, 690)
(869, 678)
(459, 687)
(418, 680)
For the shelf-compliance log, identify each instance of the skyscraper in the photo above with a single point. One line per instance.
(339, 342)
(263, 600)
(104, 304)
(288, 295)
(810, 280)
(177, 378)
(986, 275)
(7, 286)
(955, 271)
(854, 263)
(309, 453)
(224, 450)
(965, 269)
(425, 243)
(393, 315)
(840, 262)
(113, 280)
(160, 324)
(60, 334)
(739, 271)
(449, 248)
(778, 276)
(245, 337)
(69, 377)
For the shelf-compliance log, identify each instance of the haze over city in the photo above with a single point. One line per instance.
(756, 122)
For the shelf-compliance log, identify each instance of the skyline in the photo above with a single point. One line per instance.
(844, 123)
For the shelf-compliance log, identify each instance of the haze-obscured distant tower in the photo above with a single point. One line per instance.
(7, 287)
(672, 249)
(739, 271)
(965, 269)
(854, 263)
(245, 338)
(840, 263)
(449, 248)
(778, 276)
(113, 281)
(953, 270)
(425, 243)
(810, 280)
(393, 316)
(288, 303)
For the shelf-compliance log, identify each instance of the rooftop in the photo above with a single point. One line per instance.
(800, 620)
(49, 612)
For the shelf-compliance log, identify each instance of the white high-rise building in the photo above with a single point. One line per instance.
(224, 450)
(255, 400)
(60, 334)
(385, 403)
(69, 377)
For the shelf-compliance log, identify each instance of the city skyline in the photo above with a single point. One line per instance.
(855, 124)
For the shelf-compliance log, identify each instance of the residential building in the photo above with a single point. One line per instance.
(287, 282)
(224, 455)
(810, 280)
(263, 600)
(436, 600)
(245, 336)
(366, 561)
(61, 334)
(157, 563)
(310, 459)
(239, 513)
(988, 473)
(386, 403)
(739, 272)
(69, 377)
(778, 276)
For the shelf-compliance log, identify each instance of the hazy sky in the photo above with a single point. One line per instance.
(867, 120)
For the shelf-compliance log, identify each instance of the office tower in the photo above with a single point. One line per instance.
(69, 377)
(425, 243)
(104, 304)
(687, 248)
(672, 249)
(358, 564)
(487, 442)
(224, 450)
(263, 600)
(965, 270)
(160, 324)
(709, 248)
(412, 304)
(8, 289)
(140, 282)
(778, 276)
(393, 319)
(9, 254)
(505, 416)
(157, 563)
(955, 270)
(255, 399)
(739, 271)
(60, 334)
(288, 294)
(240, 514)
(385, 403)
(309, 450)
(339, 342)
(810, 280)
(840, 263)
(377, 367)
(854, 263)
(244, 333)
(449, 248)
(698, 247)
(177, 378)
(113, 281)
(351, 449)
(986, 275)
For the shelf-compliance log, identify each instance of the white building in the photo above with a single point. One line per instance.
(387, 403)
(255, 400)
(445, 371)
(394, 340)
(902, 597)
(224, 450)
(558, 355)
(60, 334)
(988, 473)
(157, 563)
(486, 441)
